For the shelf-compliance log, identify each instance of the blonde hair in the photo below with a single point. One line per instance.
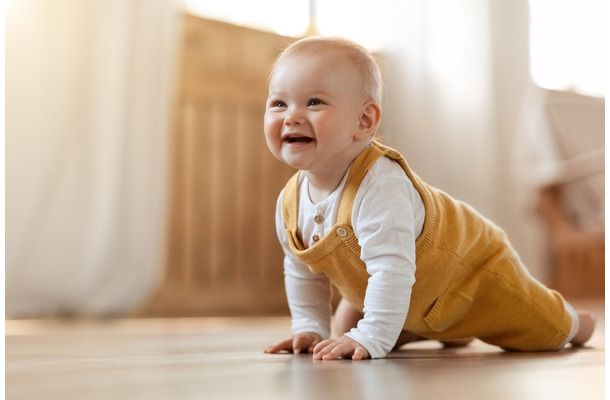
(360, 58)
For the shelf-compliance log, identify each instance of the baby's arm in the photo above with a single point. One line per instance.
(384, 223)
(386, 304)
(308, 296)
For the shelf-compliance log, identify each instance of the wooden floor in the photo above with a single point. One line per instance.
(222, 358)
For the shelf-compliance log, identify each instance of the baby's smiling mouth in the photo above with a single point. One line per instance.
(298, 139)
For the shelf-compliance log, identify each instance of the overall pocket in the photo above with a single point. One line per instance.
(448, 310)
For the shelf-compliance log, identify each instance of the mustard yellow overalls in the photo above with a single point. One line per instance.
(469, 280)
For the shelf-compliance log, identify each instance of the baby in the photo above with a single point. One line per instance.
(409, 261)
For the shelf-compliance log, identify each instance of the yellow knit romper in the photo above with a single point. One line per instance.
(469, 280)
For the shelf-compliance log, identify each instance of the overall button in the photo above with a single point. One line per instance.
(341, 232)
(316, 238)
(318, 219)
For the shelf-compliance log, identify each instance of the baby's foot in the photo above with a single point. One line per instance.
(585, 330)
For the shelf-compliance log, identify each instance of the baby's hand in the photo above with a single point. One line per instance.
(296, 343)
(332, 349)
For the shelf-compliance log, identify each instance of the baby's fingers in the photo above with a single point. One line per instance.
(323, 344)
(327, 350)
(344, 347)
(360, 354)
(283, 345)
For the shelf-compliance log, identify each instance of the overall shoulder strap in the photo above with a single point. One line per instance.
(290, 202)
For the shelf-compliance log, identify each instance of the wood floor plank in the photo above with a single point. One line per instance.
(221, 358)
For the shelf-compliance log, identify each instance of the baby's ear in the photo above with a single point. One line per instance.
(369, 119)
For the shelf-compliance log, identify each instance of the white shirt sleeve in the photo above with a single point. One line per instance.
(308, 294)
(387, 218)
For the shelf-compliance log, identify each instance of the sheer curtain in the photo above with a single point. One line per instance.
(88, 87)
(456, 72)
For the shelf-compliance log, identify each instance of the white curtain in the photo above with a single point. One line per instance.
(455, 74)
(88, 87)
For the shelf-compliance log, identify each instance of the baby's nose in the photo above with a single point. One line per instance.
(294, 115)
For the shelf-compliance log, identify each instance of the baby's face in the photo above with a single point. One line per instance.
(313, 111)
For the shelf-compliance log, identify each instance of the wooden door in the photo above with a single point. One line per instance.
(223, 256)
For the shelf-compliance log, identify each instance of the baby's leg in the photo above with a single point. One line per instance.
(410, 337)
(346, 317)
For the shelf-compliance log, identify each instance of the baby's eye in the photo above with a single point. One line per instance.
(277, 103)
(314, 102)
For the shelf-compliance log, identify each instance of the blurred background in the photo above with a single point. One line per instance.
(137, 177)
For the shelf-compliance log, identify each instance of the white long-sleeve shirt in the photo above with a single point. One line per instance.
(387, 217)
